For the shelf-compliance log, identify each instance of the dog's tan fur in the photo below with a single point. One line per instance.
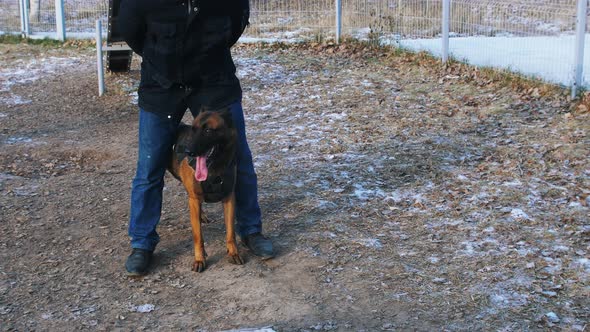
(186, 174)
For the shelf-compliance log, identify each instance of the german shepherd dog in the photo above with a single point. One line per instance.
(204, 160)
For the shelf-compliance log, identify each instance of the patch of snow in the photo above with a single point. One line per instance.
(6, 176)
(323, 204)
(260, 329)
(477, 216)
(70, 34)
(519, 214)
(506, 300)
(265, 70)
(433, 259)
(134, 98)
(25, 72)
(583, 263)
(296, 33)
(483, 247)
(363, 194)
(547, 57)
(444, 222)
(552, 317)
(439, 280)
(28, 190)
(336, 116)
(561, 248)
(553, 265)
(84, 310)
(284, 20)
(575, 205)
(14, 100)
(468, 248)
(514, 183)
(265, 107)
(330, 235)
(549, 293)
(144, 308)
(395, 197)
(18, 140)
(524, 249)
(462, 177)
(370, 243)
(535, 199)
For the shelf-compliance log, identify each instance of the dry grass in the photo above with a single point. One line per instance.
(448, 188)
(401, 194)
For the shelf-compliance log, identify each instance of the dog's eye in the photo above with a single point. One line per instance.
(208, 131)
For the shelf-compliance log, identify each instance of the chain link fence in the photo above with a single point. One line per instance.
(531, 37)
(523, 36)
(288, 19)
(9, 16)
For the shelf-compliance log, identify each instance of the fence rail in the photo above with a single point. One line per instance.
(518, 35)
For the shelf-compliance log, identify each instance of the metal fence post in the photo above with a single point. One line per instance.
(446, 17)
(99, 65)
(338, 20)
(60, 20)
(22, 15)
(26, 28)
(580, 40)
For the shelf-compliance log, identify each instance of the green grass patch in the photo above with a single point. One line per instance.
(47, 42)
(16, 39)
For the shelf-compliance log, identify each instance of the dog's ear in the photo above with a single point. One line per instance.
(227, 118)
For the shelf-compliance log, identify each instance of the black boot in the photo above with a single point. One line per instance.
(138, 262)
(259, 245)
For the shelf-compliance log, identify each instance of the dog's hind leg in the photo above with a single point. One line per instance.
(229, 213)
(195, 213)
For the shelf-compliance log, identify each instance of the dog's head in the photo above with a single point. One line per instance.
(213, 142)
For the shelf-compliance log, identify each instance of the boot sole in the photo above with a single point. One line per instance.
(136, 274)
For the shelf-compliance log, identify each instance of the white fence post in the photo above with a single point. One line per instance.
(60, 26)
(22, 14)
(99, 65)
(446, 17)
(580, 40)
(338, 20)
(25, 18)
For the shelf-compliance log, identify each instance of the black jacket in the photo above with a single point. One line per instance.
(185, 49)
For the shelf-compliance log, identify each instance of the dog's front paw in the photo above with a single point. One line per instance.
(235, 259)
(198, 266)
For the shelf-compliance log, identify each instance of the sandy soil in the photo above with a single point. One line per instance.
(400, 195)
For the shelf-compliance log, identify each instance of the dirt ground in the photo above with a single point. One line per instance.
(399, 195)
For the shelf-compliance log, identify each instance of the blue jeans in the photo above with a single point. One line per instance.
(156, 137)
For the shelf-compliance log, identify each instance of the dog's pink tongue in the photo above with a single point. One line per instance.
(201, 169)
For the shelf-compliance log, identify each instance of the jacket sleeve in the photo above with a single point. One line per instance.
(240, 18)
(131, 24)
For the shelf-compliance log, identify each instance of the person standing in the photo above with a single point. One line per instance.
(186, 64)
